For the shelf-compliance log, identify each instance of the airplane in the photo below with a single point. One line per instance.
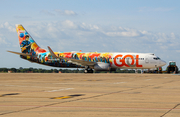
(89, 61)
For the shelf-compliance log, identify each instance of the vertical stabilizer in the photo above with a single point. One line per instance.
(26, 42)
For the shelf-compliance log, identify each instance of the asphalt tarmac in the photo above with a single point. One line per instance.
(89, 95)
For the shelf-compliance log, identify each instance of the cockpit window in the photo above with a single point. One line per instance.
(156, 58)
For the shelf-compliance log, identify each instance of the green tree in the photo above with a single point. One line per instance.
(5, 70)
(55, 71)
(13, 70)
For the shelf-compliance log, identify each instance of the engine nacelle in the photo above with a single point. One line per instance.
(100, 66)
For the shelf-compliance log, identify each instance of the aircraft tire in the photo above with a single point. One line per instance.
(85, 71)
(88, 71)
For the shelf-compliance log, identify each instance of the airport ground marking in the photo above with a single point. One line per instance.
(73, 100)
(59, 90)
(9, 94)
(63, 97)
(66, 97)
(100, 95)
(119, 82)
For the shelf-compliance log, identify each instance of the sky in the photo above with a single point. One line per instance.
(143, 26)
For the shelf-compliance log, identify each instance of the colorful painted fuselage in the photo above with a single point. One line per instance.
(115, 60)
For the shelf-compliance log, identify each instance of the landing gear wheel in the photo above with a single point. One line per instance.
(85, 71)
(89, 70)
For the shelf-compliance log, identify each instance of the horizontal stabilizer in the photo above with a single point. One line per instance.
(19, 53)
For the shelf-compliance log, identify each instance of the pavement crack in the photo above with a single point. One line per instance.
(170, 110)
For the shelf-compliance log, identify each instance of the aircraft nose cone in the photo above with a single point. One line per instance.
(163, 63)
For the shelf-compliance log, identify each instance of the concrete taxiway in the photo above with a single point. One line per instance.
(87, 95)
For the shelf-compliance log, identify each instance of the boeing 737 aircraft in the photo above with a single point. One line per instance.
(98, 61)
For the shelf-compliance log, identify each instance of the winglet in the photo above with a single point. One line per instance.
(52, 53)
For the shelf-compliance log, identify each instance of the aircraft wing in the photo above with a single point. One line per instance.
(74, 61)
(19, 53)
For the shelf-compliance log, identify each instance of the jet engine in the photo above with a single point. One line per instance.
(100, 66)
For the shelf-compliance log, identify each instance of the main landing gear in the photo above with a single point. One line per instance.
(88, 70)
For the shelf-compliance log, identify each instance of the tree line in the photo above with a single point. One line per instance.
(40, 70)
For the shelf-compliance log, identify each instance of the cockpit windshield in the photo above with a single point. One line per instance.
(156, 58)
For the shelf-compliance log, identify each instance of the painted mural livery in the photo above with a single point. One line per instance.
(39, 55)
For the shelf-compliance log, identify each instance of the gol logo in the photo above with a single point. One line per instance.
(125, 61)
